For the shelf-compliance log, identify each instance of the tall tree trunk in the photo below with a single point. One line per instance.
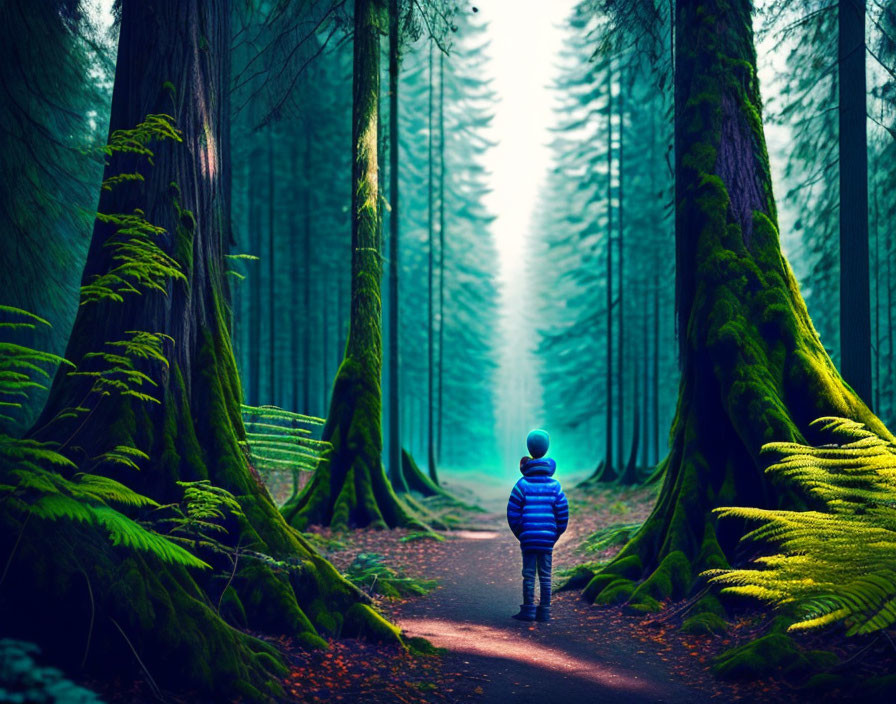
(272, 277)
(620, 340)
(430, 371)
(607, 472)
(306, 294)
(753, 367)
(173, 58)
(645, 375)
(441, 249)
(396, 475)
(656, 371)
(890, 331)
(254, 371)
(350, 487)
(855, 298)
(294, 310)
(325, 337)
(877, 336)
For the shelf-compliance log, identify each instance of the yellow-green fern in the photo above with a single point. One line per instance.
(837, 563)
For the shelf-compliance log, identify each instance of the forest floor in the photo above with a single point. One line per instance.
(586, 653)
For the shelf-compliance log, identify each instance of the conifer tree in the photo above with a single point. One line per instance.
(349, 487)
(156, 263)
(753, 367)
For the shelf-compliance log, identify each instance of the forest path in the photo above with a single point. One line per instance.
(573, 658)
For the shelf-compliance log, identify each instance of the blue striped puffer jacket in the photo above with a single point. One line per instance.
(537, 511)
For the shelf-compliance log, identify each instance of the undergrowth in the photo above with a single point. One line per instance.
(369, 572)
(835, 564)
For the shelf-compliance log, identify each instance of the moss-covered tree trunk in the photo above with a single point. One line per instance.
(70, 586)
(753, 368)
(350, 487)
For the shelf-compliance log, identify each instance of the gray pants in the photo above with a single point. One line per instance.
(540, 561)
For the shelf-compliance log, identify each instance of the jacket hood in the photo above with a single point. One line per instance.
(540, 465)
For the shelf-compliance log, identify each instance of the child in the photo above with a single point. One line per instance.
(537, 513)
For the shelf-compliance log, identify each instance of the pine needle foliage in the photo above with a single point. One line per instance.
(280, 441)
(837, 564)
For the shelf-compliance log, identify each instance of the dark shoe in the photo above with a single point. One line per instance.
(543, 613)
(527, 613)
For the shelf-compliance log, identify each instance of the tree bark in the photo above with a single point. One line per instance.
(173, 58)
(350, 487)
(441, 252)
(396, 474)
(855, 297)
(607, 472)
(753, 367)
(272, 272)
(430, 372)
(620, 338)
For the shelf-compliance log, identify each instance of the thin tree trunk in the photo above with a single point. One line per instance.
(877, 335)
(890, 360)
(395, 468)
(620, 368)
(431, 453)
(645, 373)
(656, 371)
(272, 279)
(255, 283)
(295, 316)
(608, 462)
(855, 299)
(441, 248)
(306, 295)
(325, 335)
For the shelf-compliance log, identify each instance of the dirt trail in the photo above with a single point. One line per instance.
(570, 659)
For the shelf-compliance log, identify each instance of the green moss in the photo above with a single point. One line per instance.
(672, 579)
(644, 604)
(597, 584)
(616, 592)
(361, 621)
(709, 604)
(232, 609)
(579, 576)
(420, 646)
(775, 652)
(704, 624)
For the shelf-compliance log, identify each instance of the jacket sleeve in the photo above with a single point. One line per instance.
(515, 509)
(561, 512)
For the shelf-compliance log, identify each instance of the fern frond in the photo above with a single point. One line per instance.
(838, 563)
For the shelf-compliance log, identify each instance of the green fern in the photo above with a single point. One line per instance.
(610, 536)
(280, 441)
(199, 518)
(29, 489)
(137, 261)
(117, 373)
(837, 564)
(369, 572)
(22, 369)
